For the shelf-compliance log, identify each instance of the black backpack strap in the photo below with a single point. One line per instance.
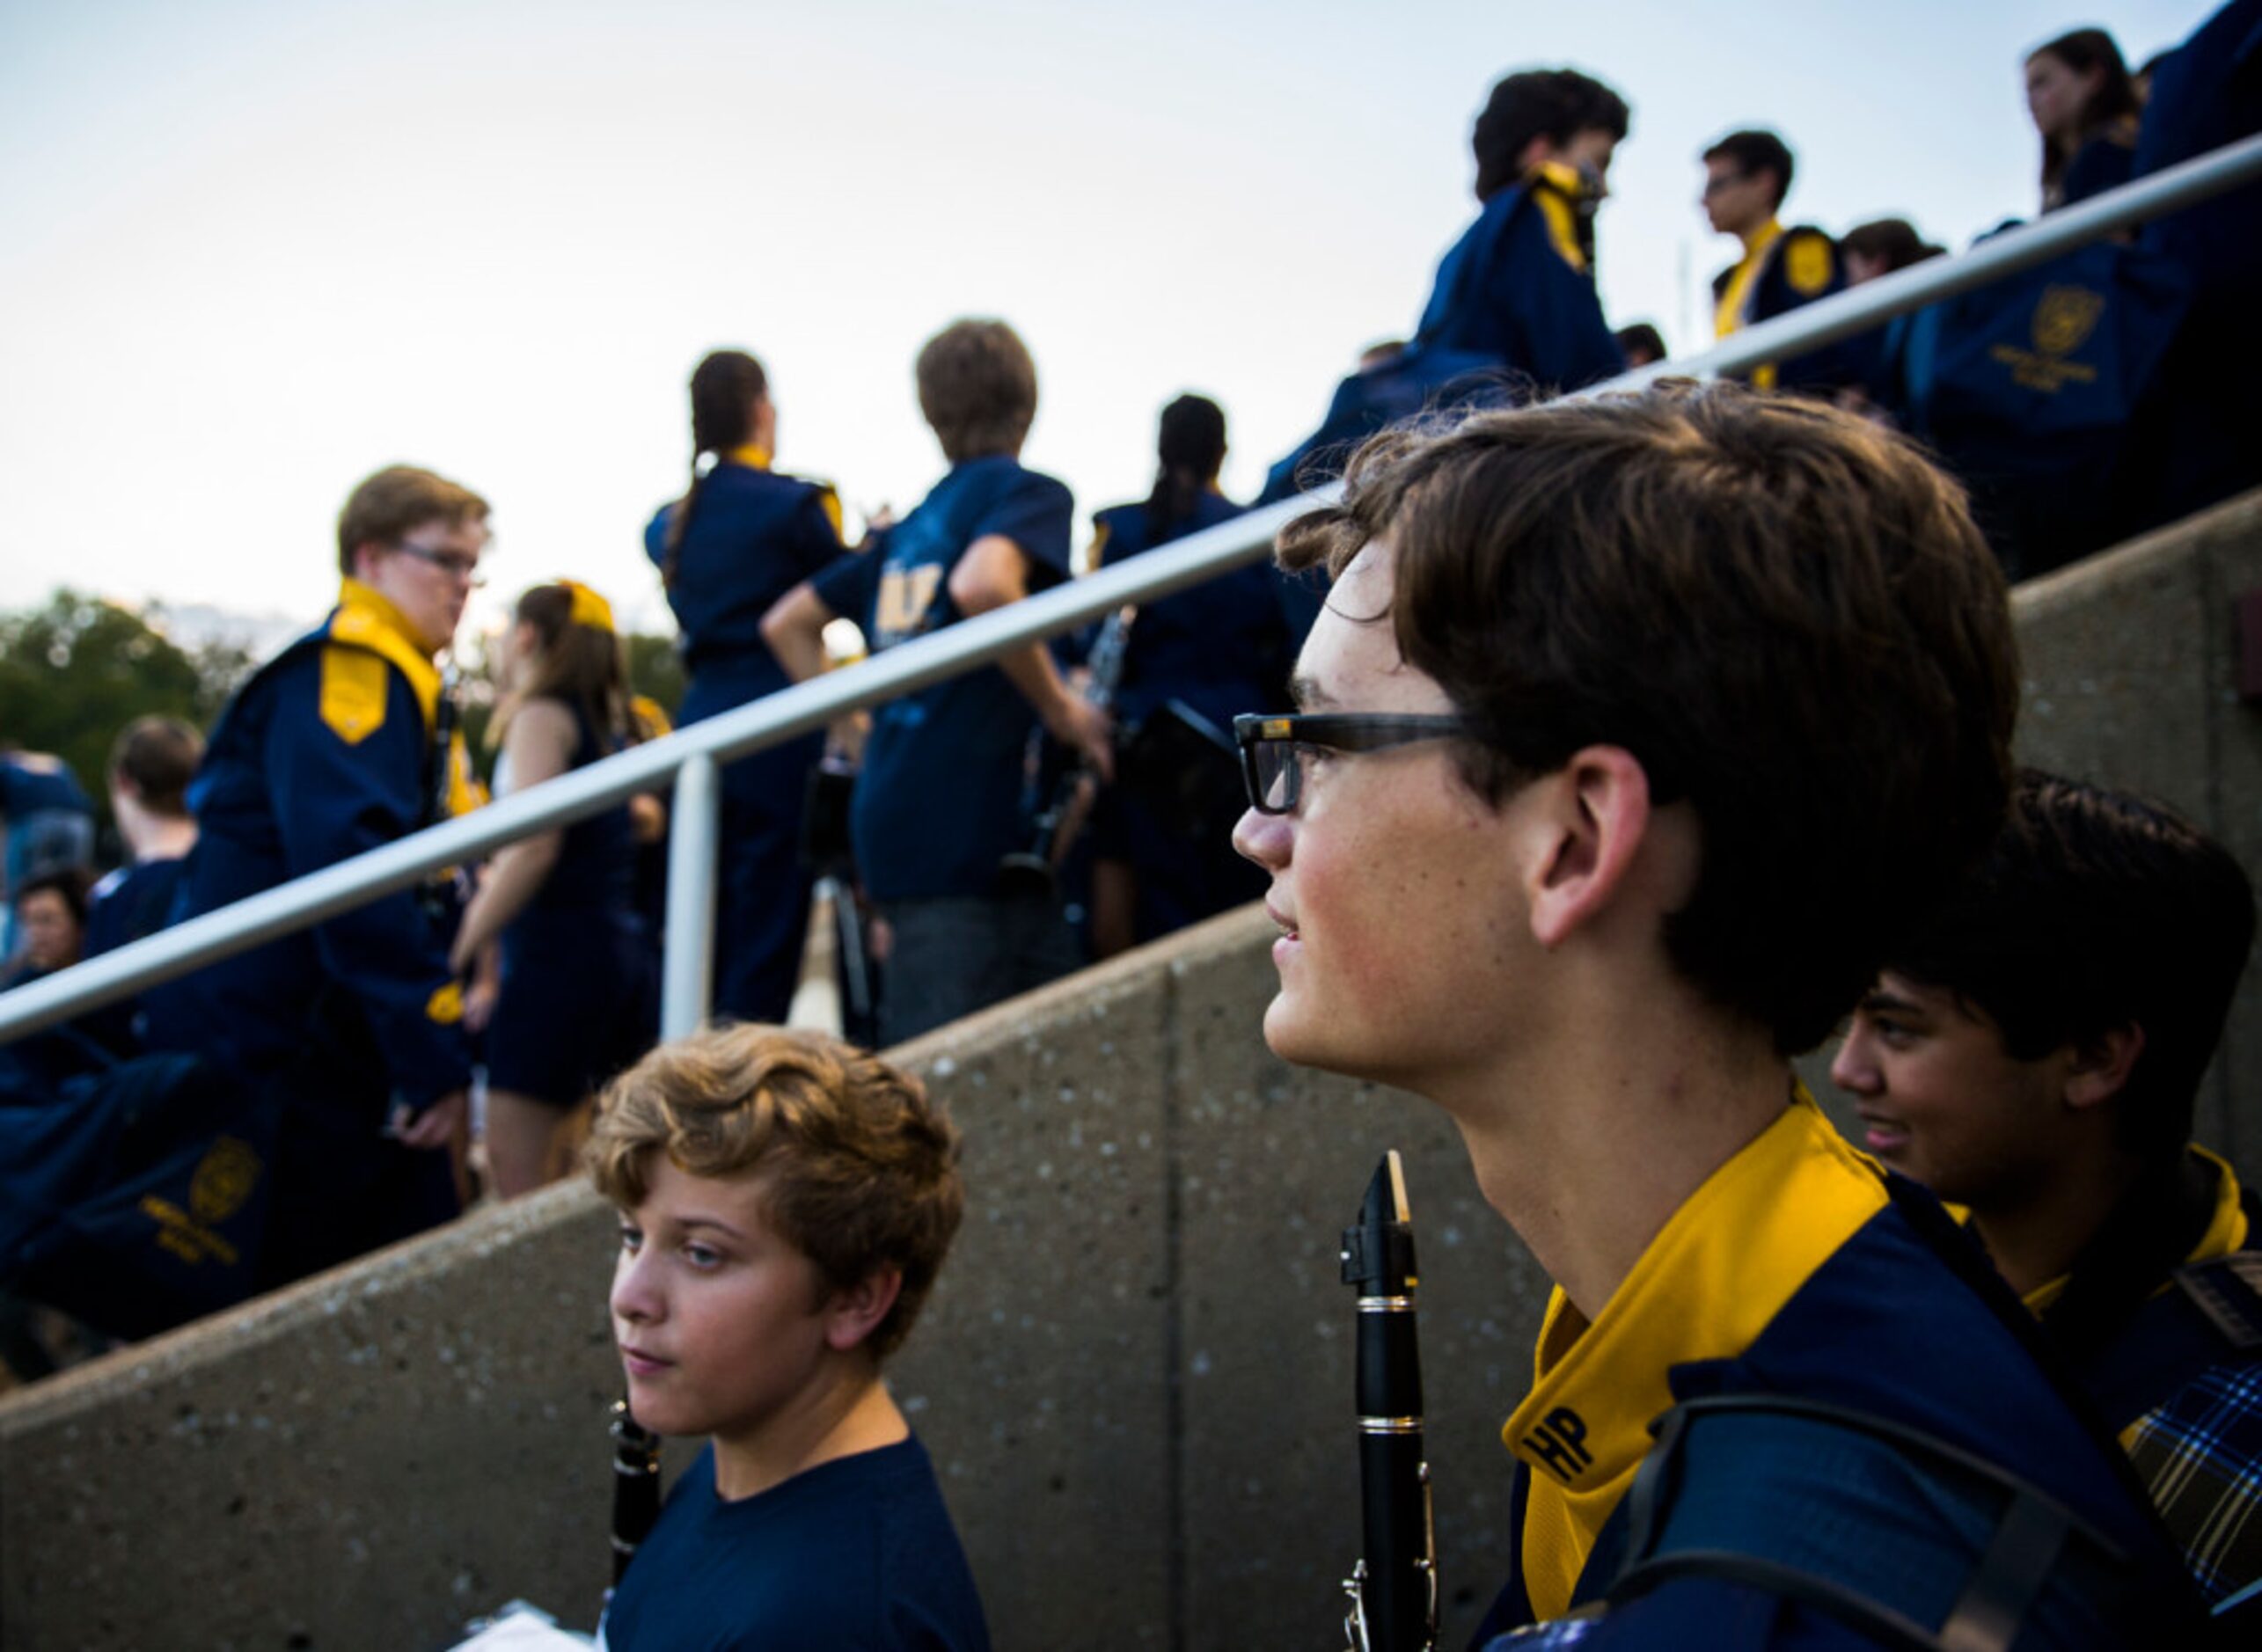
(1914, 1542)
(2227, 1292)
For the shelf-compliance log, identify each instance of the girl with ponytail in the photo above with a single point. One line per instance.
(574, 1002)
(1221, 648)
(742, 535)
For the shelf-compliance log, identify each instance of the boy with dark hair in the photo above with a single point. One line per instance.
(1746, 175)
(1633, 730)
(785, 1202)
(151, 764)
(2033, 1054)
(938, 804)
(1515, 297)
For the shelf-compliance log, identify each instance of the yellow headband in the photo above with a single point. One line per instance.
(588, 608)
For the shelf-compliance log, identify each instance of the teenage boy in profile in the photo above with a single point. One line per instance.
(343, 742)
(2033, 1054)
(938, 803)
(1632, 730)
(1746, 175)
(1514, 298)
(785, 1202)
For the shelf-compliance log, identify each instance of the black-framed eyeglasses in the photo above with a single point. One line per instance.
(454, 564)
(1275, 750)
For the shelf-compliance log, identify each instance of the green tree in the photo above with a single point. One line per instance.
(655, 669)
(73, 673)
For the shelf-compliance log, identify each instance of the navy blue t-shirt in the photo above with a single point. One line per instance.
(857, 1553)
(132, 902)
(938, 803)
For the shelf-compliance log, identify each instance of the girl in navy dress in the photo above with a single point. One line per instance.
(574, 1002)
(742, 535)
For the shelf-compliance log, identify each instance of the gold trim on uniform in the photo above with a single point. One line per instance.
(1807, 264)
(2226, 1233)
(367, 632)
(1729, 315)
(1558, 189)
(1720, 1269)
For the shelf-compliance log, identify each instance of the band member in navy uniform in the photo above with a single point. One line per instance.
(2033, 1054)
(742, 535)
(1536, 857)
(938, 804)
(1516, 294)
(344, 742)
(1222, 647)
(1746, 175)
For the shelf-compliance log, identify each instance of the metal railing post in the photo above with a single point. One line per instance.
(687, 974)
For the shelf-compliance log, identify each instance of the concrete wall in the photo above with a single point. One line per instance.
(1135, 1375)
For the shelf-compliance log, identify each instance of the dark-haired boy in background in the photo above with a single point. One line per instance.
(1514, 299)
(1746, 175)
(151, 764)
(2034, 1054)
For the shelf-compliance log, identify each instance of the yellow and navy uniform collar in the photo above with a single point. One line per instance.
(2226, 1230)
(368, 622)
(755, 456)
(1566, 201)
(1721, 1269)
(1736, 294)
(367, 619)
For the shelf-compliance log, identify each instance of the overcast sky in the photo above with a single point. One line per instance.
(249, 251)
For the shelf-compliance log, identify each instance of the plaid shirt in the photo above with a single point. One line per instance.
(2199, 1454)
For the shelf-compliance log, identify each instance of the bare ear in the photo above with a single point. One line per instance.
(2102, 1064)
(1594, 819)
(853, 1314)
(365, 556)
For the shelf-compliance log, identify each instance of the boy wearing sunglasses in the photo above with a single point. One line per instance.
(1633, 729)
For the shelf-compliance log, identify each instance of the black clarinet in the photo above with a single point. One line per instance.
(1393, 1587)
(636, 1486)
(1055, 817)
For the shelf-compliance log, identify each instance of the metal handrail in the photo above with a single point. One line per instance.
(699, 749)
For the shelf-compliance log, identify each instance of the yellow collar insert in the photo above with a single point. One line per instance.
(367, 620)
(1722, 1268)
(1736, 296)
(753, 456)
(2226, 1231)
(366, 633)
(1559, 190)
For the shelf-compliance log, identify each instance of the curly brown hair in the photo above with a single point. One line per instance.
(1785, 614)
(861, 1163)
